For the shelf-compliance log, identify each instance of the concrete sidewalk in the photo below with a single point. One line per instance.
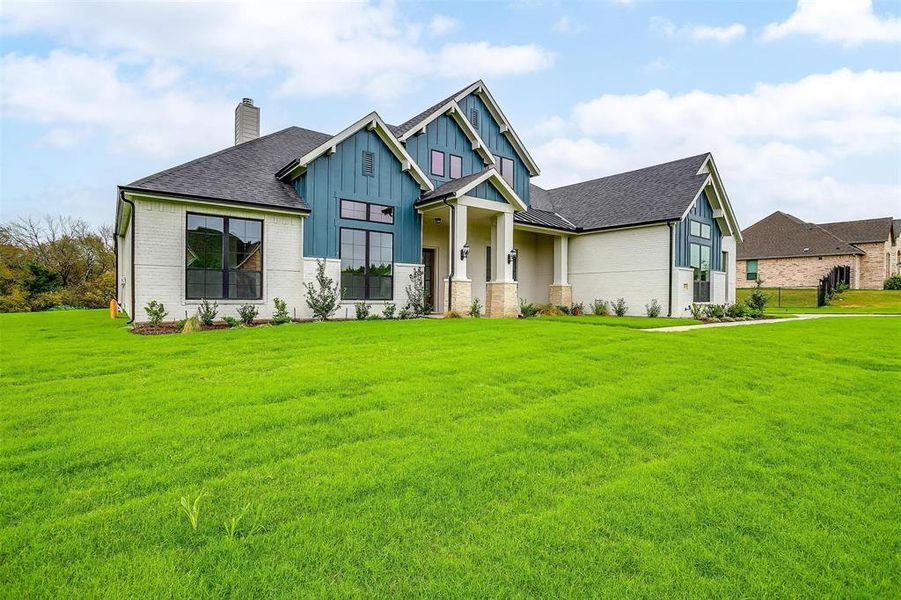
(767, 321)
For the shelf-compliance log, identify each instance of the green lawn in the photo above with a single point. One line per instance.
(804, 301)
(448, 458)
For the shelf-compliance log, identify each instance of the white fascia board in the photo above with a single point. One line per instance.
(372, 122)
(717, 184)
(539, 229)
(452, 109)
(507, 130)
(500, 183)
(474, 202)
(140, 196)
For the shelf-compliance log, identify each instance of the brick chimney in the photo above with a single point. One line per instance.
(247, 121)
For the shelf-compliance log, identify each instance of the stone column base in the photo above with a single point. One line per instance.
(560, 295)
(461, 296)
(502, 299)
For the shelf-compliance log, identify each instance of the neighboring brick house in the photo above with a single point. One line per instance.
(785, 251)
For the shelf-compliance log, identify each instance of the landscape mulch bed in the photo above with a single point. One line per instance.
(165, 328)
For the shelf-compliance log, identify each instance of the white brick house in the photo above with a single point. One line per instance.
(448, 191)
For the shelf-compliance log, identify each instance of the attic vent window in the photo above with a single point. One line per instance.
(368, 163)
(474, 117)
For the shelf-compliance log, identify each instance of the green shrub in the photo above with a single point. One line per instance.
(390, 310)
(714, 311)
(280, 316)
(362, 309)
(697, 311)
(322, 298)
(738, 310)
(248, 312)
(207, 312)
(156, 312)
(373, 317)
(653, 309)
(892, 283)
(578, 309)
(404, 313)
(416, 303)
(758, 299)
(232, 322)
(527, 309)
(475, 308)
(548, 310)
(620, 307)
(600, 308)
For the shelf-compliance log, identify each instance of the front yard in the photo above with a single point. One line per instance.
(804, 301)
(445, 458)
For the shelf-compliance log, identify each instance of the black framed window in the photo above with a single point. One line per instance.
(751, 270)
(366, 211)
(488, 263)
(367, 264)
(437, 163)
(700, 263)
(455, 166)
(223, 258)
(504, 166)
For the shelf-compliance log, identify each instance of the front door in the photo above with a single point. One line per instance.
(428, 275)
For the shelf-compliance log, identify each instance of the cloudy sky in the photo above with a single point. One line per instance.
(800, 102)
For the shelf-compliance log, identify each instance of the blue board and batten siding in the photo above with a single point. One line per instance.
(701, 212)
(497, 143)
(329, 179)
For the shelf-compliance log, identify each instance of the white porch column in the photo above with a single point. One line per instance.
(458, 237)
(561, 260)
(560, 292)
(503, 291)
(502, 238)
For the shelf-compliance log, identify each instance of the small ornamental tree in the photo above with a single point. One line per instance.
(280, 315)
(322, 297)
(758, 300)
(416, 303)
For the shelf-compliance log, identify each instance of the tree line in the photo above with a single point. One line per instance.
(55, 262)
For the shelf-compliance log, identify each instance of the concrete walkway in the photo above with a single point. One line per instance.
(767, 321)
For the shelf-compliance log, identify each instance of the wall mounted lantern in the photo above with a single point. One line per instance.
(464, 251)
(511, 256)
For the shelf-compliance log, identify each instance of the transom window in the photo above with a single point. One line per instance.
(437, 163)
(367, 211)
(698, 229)
(504, 167)
(700, 263)
(455, 166)
(367, 265)
(223, 258)
(751, 270)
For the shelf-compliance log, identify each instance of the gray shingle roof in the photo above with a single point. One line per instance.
(447, 189)
(543, 218)
(897, 225)
(653, 194)
(861, 232)
(244, 174)
(399, 130)
(781, 235)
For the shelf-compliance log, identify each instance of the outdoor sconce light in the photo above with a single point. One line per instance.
(511, 256)
(437, 220)
(464, 251)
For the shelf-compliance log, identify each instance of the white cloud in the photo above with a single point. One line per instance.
(310, 48)
(567, 26)
(76, 95)
(848, 21)
(442, 25)
(778, 146)
(722, 35)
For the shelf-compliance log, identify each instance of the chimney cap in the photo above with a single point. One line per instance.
(247, 101)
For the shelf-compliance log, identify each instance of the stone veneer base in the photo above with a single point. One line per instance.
(502, 299)
(560, 295)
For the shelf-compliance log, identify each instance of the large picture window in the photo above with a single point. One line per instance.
(223, 258)
(700, 263)
(367, 265)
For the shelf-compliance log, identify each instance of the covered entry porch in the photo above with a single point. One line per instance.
(473, 249)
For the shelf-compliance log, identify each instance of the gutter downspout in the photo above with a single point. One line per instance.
(451, 258)
(131, 313)
(672, 263)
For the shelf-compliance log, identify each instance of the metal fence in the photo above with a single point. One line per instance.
(829, 283)
(785, 297)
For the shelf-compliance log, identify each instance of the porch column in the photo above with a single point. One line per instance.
(460, 284)
(560, 291)
(503, 298)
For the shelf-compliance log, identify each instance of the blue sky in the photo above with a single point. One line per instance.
(800, 102)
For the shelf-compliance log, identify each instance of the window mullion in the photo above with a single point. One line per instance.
(225, 235)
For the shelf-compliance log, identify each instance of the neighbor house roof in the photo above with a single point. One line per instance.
(897, 225)
(781, 235)
(244, 174)
(654, 194)
(861, 232)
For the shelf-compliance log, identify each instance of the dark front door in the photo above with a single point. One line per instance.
(428, 275)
